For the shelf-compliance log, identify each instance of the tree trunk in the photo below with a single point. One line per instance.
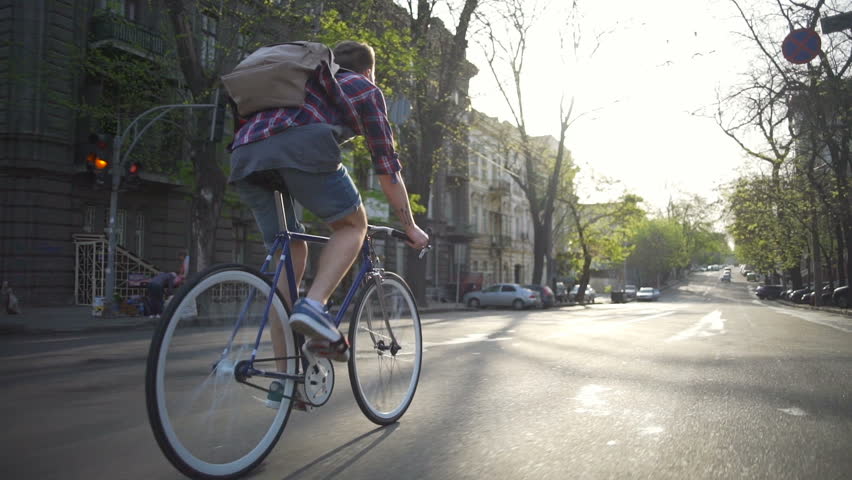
(539, 250)
(208, 197)
(584, 277)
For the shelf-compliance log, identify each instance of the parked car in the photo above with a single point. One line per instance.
(840, 296)
(588, 296)
(647, 294)
(545, 293)
(561, 292)
(826, 294)
(630, 292)
(796, 296)
(503, 295)
(769, 291)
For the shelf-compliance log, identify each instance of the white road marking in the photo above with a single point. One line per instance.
(591, 326)
(469, 338)
(591, 401)
(709, 325)
(651, 430)
(794, 411)
(820, 318)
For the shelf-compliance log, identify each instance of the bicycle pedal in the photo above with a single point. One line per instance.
(338, 350)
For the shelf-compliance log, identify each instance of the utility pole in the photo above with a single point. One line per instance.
(117, 174)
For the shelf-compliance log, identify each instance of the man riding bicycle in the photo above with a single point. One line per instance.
(295, 150)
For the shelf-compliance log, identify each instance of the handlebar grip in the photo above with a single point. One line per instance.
(399, 234)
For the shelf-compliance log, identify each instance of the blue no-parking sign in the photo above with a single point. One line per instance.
(801, 46)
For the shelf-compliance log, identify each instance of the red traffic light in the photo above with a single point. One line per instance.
(134, 168)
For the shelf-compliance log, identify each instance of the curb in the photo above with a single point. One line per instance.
(19, 329)
(801, 306)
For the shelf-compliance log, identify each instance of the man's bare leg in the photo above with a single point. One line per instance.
(337, 256)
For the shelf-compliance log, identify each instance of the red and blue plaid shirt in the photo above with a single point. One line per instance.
(348, 99)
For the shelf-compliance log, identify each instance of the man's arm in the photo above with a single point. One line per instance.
(397, 196)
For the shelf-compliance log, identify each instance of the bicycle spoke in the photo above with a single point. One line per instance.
(387, 352)
(209, 423)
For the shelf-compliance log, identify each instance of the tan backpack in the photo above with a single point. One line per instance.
(274, 76)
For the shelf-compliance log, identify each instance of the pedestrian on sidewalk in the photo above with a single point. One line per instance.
(9, 300)
(163, 285)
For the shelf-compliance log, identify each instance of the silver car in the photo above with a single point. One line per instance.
(503, 295)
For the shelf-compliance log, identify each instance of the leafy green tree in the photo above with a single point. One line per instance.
(784, 109)
(601, 231)
(437, 92)
(657, 249)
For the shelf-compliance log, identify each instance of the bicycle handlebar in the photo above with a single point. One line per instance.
(398, 234)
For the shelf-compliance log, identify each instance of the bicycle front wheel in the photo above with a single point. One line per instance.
(207, 423)
(386, 350)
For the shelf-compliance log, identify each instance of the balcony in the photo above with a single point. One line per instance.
(461, 231)
(110, 29)
(501, 241)
(500, 187)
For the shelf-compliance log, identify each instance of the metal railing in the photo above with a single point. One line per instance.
(90, 270)
(108, 26)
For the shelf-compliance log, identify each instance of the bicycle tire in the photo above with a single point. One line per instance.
(367, 361)
(187, 346)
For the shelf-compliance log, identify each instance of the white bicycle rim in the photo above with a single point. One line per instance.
(188, 304)
(411, 353)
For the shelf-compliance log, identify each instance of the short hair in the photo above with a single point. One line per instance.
(355, 56)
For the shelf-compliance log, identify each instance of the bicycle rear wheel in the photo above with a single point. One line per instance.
(385, 361)
(207, 423)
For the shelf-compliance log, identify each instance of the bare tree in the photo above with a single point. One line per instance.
(506, 44)
(801, 113)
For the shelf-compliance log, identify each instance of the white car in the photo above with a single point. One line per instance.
(647, 294)
(589, 294)
(503, 295)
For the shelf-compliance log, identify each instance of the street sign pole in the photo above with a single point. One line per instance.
(836, 23)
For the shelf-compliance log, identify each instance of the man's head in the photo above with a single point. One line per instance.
(356, 56)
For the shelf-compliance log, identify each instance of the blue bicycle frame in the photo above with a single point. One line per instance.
(282, 241)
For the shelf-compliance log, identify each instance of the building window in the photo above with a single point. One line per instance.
(140, 235)
(209, 26)
(242, 45)
(128, 9)
(476, 218)
(89, 219)
(240, 240)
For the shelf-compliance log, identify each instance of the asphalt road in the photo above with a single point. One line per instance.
(706, 383)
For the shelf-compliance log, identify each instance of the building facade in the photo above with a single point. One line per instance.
(499, 212)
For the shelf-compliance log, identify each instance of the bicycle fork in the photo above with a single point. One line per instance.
(394, 347)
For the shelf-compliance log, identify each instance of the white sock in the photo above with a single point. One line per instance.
(319, 306)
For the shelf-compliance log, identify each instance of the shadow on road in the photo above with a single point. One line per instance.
(350, 458)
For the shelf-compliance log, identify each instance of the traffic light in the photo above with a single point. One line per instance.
(99, 158)
(132, 179)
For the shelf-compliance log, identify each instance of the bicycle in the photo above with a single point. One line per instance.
(211, 417)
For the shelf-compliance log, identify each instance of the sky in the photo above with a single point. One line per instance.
(644, 96)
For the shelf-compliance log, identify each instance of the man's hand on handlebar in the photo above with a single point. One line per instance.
(417, 238)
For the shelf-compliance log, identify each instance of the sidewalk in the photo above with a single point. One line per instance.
(77, 319)
(67, 319)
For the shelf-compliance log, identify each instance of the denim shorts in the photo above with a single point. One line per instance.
(331, 196)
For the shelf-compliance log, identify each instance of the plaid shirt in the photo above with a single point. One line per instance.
(346, 99)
